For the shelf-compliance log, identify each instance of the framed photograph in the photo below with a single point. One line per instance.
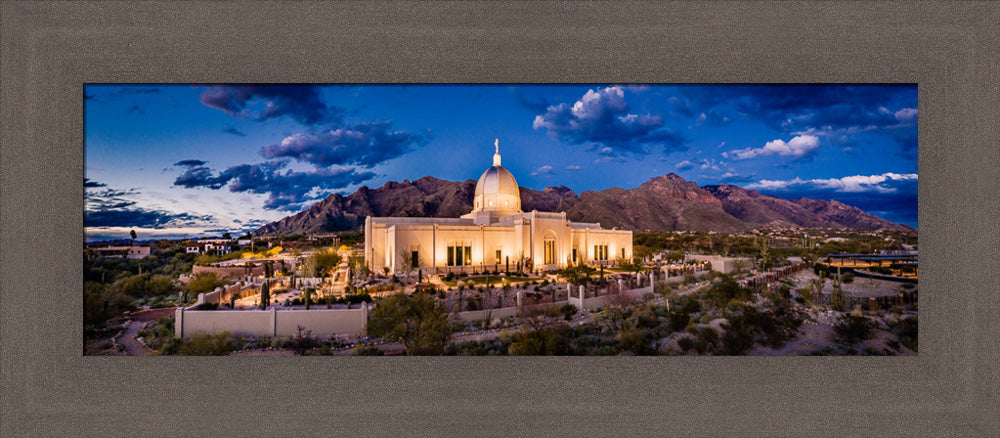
(210, 160)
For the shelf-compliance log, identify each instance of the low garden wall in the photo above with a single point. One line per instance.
(271, 322)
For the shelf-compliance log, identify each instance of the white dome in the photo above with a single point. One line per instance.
(497, 190)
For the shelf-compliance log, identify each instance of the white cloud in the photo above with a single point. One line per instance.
(906, 114)
(853, 183)
(684, 165)
(796, 147)
(543, 170)
(574, 167)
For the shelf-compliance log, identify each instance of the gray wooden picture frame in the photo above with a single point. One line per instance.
(49, 49)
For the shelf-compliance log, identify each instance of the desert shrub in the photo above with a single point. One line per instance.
(368, 350)
(906, 331)
(568, 310)
(219, 344)
(853, 328)
(303, 341)
(685, 344)
(847, 278)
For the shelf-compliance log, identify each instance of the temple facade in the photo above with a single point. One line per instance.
(495, 235)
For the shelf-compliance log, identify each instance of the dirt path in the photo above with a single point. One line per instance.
(127, 340)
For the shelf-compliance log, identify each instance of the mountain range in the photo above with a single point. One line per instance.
(664, 203)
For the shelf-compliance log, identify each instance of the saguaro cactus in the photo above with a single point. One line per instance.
(265, 295)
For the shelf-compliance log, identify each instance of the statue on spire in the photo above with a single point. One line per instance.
(496, 154)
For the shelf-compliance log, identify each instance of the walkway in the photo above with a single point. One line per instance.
(127, 340)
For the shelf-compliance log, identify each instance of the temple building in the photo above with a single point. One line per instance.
(495, 235)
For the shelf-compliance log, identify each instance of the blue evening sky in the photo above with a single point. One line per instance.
(192, 160)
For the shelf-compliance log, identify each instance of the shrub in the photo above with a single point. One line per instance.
(685, 344)
(847, 278)
(219, 344)
(303, 342)
(853, 328)
(368, 350)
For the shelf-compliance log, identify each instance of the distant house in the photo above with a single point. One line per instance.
(210, 247)
(132, 252)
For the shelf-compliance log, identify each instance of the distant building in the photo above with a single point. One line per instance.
(725, 265)
(495, 235)
(132, 252)
(210, 247)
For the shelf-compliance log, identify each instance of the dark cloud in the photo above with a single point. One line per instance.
(91, 184)
(263, 102)
(365, 144)
(88, 97)
(140, 217)
(681, 106)
(602, 120)
(191, 163)
(799, 107)
(127, 91)
(908, 142)
(537, 104)
(234, 131)
(286, 189)
(112, 208)
(136, 109)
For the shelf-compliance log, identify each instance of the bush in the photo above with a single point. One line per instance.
(685, 344)
(847, 278)
(853, 328)
(219, 344)
(368, 350)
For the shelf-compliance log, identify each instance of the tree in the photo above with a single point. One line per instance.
(415, 320)
(202, 282)
(227, 236)
(578, 274)
(132, 233)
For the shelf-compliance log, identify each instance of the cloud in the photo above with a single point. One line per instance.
(602, 119)
(287, 190)
(684, 165)
(732, 177)
(573, 167)
(113, 208)
(140, 217)
(906, 115)
(264, 102)
(128, 91)
(542, 170)
(365, 144)
(799, 107)
(191, 163)
(885, 183)
(234, 131)
(537, 104)
(91, 184)
(796, 147)
(712, 118)
(136, 109)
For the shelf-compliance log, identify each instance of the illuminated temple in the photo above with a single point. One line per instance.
(495, 235)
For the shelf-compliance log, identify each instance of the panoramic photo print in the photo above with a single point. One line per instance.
(500, 219)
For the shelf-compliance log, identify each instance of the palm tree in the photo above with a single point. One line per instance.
(132, 233)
